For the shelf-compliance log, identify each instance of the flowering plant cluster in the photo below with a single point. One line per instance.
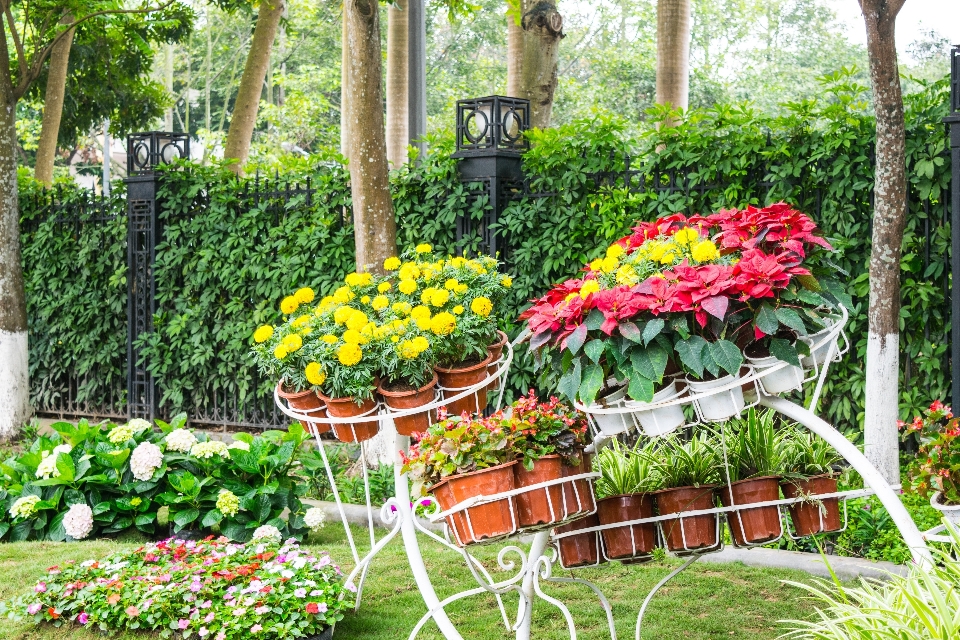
(86, 479)
(212, 589)
(426, 310)
(527, 431)
(937, 465)
(692, 291)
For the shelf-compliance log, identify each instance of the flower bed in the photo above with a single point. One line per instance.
(211, 589)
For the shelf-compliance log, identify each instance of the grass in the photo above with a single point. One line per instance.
(707, 601)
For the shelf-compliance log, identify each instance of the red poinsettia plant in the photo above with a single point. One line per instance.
(693, 291)
(937, 465)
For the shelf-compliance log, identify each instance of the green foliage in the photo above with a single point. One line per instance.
(753, 445)
(625, 471)
(690, 463)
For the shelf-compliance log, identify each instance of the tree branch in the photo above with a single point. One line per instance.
(21, 56)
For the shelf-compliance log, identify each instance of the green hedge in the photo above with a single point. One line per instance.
(226, 263)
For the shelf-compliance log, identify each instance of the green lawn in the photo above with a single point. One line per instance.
(708, 601)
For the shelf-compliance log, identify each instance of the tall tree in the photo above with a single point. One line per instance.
(374, 223)
(542, 27)
(53, 106)
(345, 86)
(244, 118)
(514, 49)
(30, 32)
(398, 126)
(673, 53)
(889, 218)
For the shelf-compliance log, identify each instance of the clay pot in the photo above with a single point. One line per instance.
(455, 380)
(490, 520)
(751, 526)
(632, 541)
(806, 515)
(495, 350)
(581, 550)
(347, 408)
(578, 497)
(308, 401)
(540, 506)
(418, 422)
(700, 531)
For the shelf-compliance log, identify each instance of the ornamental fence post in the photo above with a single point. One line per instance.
(145, 153)
(953, 121)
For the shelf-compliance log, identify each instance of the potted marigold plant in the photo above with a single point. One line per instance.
(624, 493)
(407, 379)
(460, 458)
(689, 472)
(808, 469)
(934, 472)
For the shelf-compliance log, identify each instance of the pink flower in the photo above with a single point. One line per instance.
(41, 587)
(261, 610)
(34, 609)
(183, 623)
(300, 593)
(209, 618)
(83, 617)
(203, 631)
(132, 611)
(256, 628)
(195, 587)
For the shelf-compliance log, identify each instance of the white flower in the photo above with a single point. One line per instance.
(208, 449)
(228, 502)
(180, 440)
(314, 518)
(62, 448)
(239, 444)
(267, 531)
(119, 435)
(48, 467)
(139, 424)
(146, 459)
(78, 523)
(27, 505)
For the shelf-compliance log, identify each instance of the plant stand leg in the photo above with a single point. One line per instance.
(527, 592)
(670, 576)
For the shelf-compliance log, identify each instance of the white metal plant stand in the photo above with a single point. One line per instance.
(533, 569)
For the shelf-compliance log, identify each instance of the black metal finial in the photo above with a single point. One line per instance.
(955, 79)
(150, 149)
(493, 123)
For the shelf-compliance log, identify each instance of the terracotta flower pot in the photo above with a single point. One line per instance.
(490, 520)
(418, 422)
(581, 550)
(806, 515)
(347, 408)
(578, 495)
(456, 380)
(540, 506)
(495, 350)
(309, 402)
(751, 526)
(632, 541)
(700, 532)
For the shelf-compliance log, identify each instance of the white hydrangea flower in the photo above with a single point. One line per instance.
(267, 531)
(78, 523)
(180, 440)
(146, 459)
(314, 518)
(48, 466)
(27, 505)
(119, 435)
(228, 502)
(239, 444)
(62, 448)
(209, 449)
(139, 424)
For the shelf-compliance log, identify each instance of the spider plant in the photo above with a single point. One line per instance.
(753, 446)
(625, 471)
(688, 463)
(805, 454)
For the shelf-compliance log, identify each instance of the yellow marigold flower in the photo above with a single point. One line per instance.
(457, 310)
(407, 350)
(451, 284)
(409, 271)
(280, 352)
(686, 236)
(262, 334)
(626, 275)
(315, 375)
(326, 301)
(357, 320)
(420, 311)
(383, 287)
(304, 295)
(426, 295)
(329, 338)
(391, 264)
(402, 308)
(343, 295)
(506, 281)
(614, 251)
(439, 297)
(443, 324)
(705, 251)
(365, 300)
(300, 321)
(407, 286)
(570, 297)
(352, 336)
(289, 304)
(341, 315)
(292, 342)
(353, 279)
(667, 258)
(596, 265)
(590, 286)
(421, 343)
(429, 273)
(609, 265)
(423, 248)
(481, 306)
(305, 331)
(366, 278)
(656, 251)
(457, 262)
(349, 354)
(380, 302)
(394, 338)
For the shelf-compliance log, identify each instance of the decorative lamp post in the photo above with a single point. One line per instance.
(953, 122)
(490, 143)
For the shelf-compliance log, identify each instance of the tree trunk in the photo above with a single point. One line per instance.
(398, 125)
(889, 218)
(14, 367)
(514, 55)
(542, 28)
(244, 118)
(53, 107)
(344, 88)
(168, 85)
(673, 54)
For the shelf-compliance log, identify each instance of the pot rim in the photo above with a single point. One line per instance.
(400, 394)
(471, 473)
(719, 382)
(641, 495)
(705, 487)
(936, 504)
(482, 364)
(296, 395)
(786, 480)
(504, 338)
(737, 482)
(345, 399)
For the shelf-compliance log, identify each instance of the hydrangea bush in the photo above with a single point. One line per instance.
(211, 589)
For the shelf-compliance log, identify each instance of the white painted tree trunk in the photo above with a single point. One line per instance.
(882, 406)
(14, 383)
